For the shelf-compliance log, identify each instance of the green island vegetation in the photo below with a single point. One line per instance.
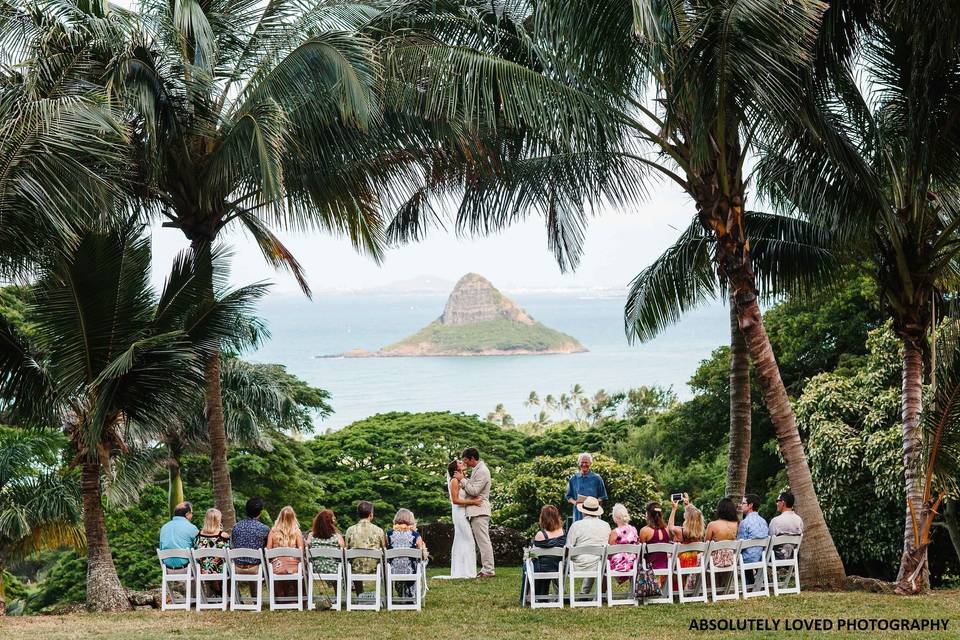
(500, 334)
(382, 122)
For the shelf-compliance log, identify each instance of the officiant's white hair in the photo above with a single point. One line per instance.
(584, 456)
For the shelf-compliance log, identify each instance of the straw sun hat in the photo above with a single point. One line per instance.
(591, 507)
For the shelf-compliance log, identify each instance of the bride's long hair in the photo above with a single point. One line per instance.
(452, 468)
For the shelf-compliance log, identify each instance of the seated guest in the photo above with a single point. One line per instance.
(249, 533)
(788, 523)
(625, 533)
(589, 531)
(691, 531)
(364, 535)
(212, 536)
(655, 532)
(723, 527)
(324, 533)
(550, 536)
(752, 527)
(285, 533)
(178, 533)
(404, 535)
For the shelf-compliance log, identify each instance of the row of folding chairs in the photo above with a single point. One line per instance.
(225, 585)
(686, 584)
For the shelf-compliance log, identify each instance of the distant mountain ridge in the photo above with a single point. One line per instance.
(479, 320)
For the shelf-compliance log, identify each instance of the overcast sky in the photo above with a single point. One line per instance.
(619, 245)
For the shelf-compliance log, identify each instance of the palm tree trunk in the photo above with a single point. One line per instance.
(104, 591)
(911, 401)
(213, 410)
(222, 489)
(738, 454)
(174, 484)
(820, 563)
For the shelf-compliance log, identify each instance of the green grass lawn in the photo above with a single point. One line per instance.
(488, 609)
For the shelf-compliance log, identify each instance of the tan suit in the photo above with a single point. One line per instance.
(478, 486)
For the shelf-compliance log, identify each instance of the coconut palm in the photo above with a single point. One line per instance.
(61, 145)
(720, 74)
(880, 163)
(790, 256)
(39, 498)
(106, 357)
(335, 116)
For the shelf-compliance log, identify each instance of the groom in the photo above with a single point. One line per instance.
(478, 486)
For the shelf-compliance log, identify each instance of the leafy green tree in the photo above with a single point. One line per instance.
(39, 498)
(400, 460)
(520, 495)
(109, 357)
(878, 162)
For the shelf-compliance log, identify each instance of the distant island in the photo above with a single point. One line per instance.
(478, 320)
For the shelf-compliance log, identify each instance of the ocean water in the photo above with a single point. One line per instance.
(301, 330)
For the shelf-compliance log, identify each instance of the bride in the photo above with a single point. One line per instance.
(463, 555)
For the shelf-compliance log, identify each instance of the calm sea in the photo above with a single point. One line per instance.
(302, 330)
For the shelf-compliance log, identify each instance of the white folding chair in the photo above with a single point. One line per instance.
(255, 580)
(732, 591)
(595, 574)
(355, 603)
(415, 580)
(791, 565)
(221, 578)
(336, 577)
(171, 576)
(666, 589)
(273, 578)
(751, 590)
(556, 577)
(610, 551)
(697, 574)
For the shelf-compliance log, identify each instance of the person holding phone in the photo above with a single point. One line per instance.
(584, 484)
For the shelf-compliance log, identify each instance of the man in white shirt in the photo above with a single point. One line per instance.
(788, 523)
(588, 531)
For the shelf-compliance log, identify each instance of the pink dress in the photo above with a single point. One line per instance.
(626, 534)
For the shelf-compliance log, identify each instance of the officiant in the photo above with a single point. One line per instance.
(583, 484)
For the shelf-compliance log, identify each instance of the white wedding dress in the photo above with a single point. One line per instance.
(463, 554)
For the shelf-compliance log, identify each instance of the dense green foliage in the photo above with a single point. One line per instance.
(490, 335)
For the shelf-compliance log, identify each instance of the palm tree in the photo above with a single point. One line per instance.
(879, 163)
(533, 400)
(790, 256)
(39, 498)
(723, 73)
(335, 116)
(107, 358)
(61, 146)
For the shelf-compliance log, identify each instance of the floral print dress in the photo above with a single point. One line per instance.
(219, 540)
(626, 534)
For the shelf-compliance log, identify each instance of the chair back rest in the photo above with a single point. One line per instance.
(181, 554)
(757, 542)
(553, 552)
(787, 539)
(624, 548)
(718, 545)
(660, 547)
(416, 554)
(245, 554)
(325, 552)
(376, 554)
(283, 552)
(210, 553)
(699, 547)
(585, 550)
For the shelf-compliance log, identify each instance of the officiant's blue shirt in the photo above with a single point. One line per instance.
(585, 485)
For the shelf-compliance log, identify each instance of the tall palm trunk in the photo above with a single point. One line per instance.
(213, 411)
(909, 579)
(738, 455)
(104, 591)
(723, 215)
